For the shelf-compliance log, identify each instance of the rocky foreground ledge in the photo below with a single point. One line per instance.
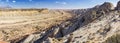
(100, 24)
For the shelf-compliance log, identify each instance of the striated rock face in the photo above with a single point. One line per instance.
(118, 6)
(106, 6)
(97, 31)
(113, 39)
(99, 24)
(25, 24)
(97, 11)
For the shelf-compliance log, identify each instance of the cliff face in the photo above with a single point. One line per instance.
(97, 31)
(118, 6)
(100, 24)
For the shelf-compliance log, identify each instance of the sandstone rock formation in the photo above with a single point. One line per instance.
(113, 39)
(99, 24)
(97, 31)
(97, 11)
(3, 42)
(18, 24)
(106, 6)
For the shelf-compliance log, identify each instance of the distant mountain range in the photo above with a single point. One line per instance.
(5, 7)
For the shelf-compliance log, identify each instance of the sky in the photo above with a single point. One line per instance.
(54, 4)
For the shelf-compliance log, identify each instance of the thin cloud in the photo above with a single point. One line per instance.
(63, 3)
(14, 1)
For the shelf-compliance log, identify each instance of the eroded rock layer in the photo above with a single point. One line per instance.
(100, 24)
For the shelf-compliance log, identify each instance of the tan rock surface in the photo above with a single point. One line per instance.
(95, 25)
(14, 24)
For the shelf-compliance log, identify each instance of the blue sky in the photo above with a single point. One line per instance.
(54, 4)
